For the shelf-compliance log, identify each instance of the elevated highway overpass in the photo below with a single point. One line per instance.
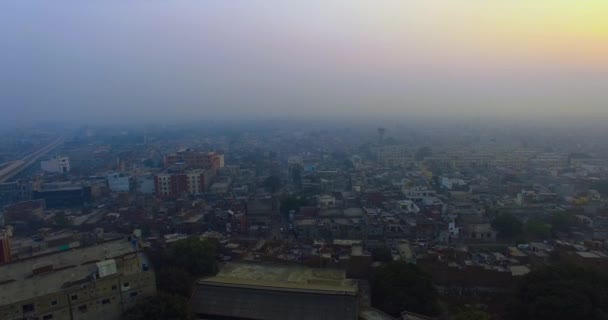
(12, 169)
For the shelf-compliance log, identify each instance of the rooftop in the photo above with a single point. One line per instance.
(590, 255)
(283, 277)
(518, 271)
(18, 281)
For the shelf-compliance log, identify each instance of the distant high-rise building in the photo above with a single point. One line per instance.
(381, 133)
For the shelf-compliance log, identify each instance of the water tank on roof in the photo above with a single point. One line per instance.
(106, 268)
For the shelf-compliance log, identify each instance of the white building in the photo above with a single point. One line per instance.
(326, 201)
(118, 182)
(56, 164)
(417, 193)
(451, 183)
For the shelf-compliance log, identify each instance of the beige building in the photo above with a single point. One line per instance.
(276, 292)
(97, 282)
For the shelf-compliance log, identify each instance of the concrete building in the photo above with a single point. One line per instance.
(118, 182)
(407, 207)
(145, 184)
(326, 201)
(57, 164)
(276, 291)
(11, 192)
(62, 194)
(221, 187)
(99, 282)
(25, 211)
(173, 184)
(5, 248)
(449, 183)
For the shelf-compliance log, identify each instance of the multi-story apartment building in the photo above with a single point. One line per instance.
(173, 184)
(98, 282)
(119, 182)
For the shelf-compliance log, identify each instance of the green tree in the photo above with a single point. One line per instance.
(601, 187)
(175, 281)
(507, 225)
(289, 203)
(160, 307)
(537, 229)
(561, 292)
(472, 315)
(399, 286)
(561, 222)
(194, 255)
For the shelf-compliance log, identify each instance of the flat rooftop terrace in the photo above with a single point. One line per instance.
(283, 277)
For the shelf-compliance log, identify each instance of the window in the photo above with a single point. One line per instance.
(54, 303)
(74, 297)
(28, 307)
(113, 287)
(47, 317)
(133, 294)
(105, 301)
(83, 308)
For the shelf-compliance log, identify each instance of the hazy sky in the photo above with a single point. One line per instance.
(168, 60)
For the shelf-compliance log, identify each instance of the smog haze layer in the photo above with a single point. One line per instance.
(156, 61)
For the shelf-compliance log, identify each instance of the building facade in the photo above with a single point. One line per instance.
(118, 182)
(5, 248)
(173, 184)
(275, 291)
(99, 282)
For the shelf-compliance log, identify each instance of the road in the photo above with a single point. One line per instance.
(17, 166)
